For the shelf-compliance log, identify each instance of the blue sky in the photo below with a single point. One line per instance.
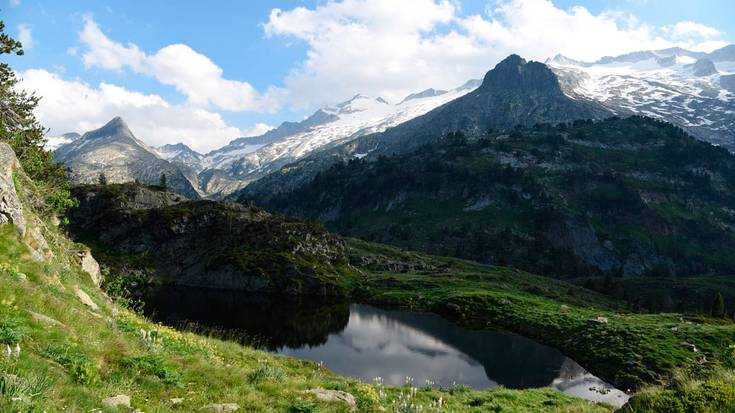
(238, 66)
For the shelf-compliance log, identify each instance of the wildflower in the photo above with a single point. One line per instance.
(8, 350)
(16, 352)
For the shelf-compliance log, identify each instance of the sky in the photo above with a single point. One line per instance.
(204, 73)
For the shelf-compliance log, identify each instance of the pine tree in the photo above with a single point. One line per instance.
(718, 306)
(163, 182)
(20, 129)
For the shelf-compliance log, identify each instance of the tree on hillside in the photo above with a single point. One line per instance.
(102, 179)
(718, 306)
(163, 183)
(20, 129)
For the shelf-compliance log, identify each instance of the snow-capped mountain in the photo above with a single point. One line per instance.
(691, 89)
(230, 168)
(181, 153)
(340, 123)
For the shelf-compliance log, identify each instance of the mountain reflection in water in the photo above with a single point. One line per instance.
(365, 342)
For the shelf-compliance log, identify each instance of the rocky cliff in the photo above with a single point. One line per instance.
(206, 243)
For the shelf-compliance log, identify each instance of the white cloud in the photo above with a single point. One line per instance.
(389, 48)
(690, 29)
(257, 130)
(191, 73)
(74, 106)
(25, 36)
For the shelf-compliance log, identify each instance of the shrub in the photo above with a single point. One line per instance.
(265, 371)
(10, 332)
(153, 365)
(302, 406)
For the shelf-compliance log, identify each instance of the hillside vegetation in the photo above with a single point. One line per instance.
(621, 197)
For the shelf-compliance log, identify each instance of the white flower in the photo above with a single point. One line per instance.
(16, 353)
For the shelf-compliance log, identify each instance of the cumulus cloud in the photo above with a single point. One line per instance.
(25, 36)
(257, 130)
(691, 29)
(389, 48)
(74, 106)
(191, 73)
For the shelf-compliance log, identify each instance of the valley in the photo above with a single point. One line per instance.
(555, 237)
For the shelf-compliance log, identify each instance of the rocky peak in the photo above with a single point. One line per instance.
(114, 128)
(515, 75)
(703, 67)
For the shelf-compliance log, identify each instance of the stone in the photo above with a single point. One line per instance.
(334, 396)
(690, 346)
(11, 210)
(177, 400)
(221, 407)
(121, 400)
(597, 321)
(91, 267)
(40, 318)
(86, 300)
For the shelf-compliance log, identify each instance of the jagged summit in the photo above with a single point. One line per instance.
(515, 74)
(115, 127)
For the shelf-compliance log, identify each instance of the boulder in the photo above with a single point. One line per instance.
(44, 319)
(91, 267)
(221, 407)
(86, 300)
(11, 210)
(121, 400)
(334, 396)
(597, 321)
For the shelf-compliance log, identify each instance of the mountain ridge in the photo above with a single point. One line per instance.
(515, 92)
(114, 151)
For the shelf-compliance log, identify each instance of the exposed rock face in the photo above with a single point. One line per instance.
(91, 267)
(11, 210)
(703, 67)
(210, 244)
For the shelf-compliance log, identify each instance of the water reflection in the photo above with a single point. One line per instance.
(365, 342)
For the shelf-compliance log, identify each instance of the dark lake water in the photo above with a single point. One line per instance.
(365, 342)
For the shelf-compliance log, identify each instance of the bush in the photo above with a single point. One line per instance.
(302, 406)
(153, 365)
(10, 332)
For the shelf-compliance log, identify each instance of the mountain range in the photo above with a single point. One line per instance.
(693, 90)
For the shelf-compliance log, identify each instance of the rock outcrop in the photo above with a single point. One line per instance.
(11, 205)
(206, 243)
(11, 209)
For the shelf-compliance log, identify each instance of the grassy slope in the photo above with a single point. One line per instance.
(630, 350)
(93, 355)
